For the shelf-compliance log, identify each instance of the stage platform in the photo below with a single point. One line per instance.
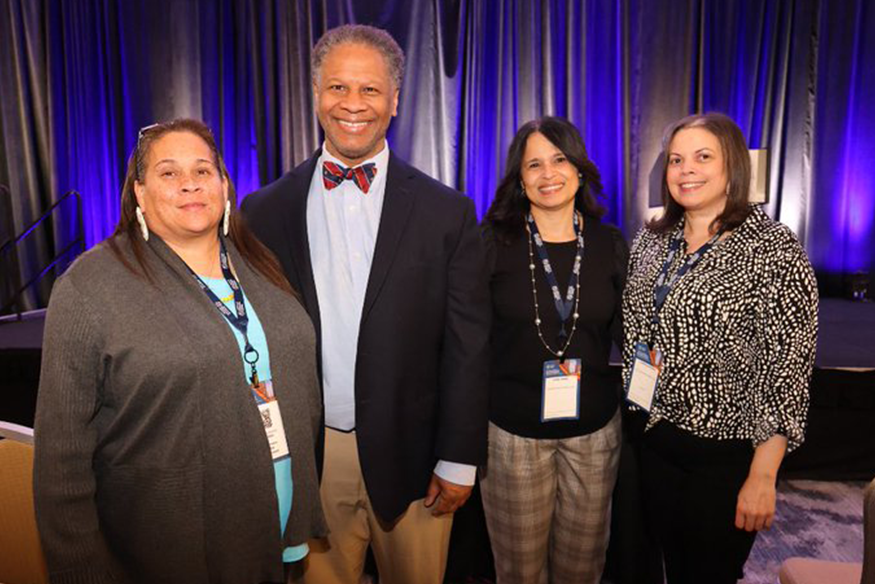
(24, 331)
(838, 442)
(846, 338)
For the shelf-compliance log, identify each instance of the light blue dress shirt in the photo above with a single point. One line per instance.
(342, 225)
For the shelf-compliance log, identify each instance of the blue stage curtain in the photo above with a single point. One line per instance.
(841, 217)
(80, 77)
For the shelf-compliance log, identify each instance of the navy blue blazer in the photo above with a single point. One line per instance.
(421, 378)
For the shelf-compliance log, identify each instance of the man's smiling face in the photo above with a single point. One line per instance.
(355, 101)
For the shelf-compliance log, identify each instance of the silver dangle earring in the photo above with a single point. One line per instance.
(142, 221)
(226, 222)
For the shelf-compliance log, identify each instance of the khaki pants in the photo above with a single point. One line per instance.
(413, 550)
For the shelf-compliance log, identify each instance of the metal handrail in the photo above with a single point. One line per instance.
(80, 240)
(14, 240)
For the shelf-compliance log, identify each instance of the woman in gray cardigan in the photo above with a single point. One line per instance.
(178, 404)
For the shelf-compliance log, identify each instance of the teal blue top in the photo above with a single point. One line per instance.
(282, 469)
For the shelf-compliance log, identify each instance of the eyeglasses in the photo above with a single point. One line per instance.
(138, 152)
(145, 130)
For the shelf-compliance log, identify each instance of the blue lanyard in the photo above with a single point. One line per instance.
(563, 306)
(240, 320)
(665, 283)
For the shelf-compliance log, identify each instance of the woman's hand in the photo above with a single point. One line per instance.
(756, 499)
(756, 503)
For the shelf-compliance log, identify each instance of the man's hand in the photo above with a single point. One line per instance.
(448, 496)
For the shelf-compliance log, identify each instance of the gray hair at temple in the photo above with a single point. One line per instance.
(360, 34)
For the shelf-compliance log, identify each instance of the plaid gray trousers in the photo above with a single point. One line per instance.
(548, 504)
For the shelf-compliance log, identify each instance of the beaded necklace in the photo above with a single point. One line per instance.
(564, 308)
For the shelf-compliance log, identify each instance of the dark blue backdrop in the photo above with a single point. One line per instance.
(80, 78)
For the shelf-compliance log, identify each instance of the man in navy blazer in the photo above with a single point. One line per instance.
(390, 266)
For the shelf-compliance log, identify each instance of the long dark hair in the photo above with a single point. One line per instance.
(736, 159)
(252, 250)
(506, 214)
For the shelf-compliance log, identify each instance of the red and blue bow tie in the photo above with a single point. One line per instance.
(334, 174)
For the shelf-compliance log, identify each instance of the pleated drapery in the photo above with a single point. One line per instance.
(79, 78)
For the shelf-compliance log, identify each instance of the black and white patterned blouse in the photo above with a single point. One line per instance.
(737, 332)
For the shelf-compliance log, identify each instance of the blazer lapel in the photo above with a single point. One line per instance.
(397, 204)
(298, 238)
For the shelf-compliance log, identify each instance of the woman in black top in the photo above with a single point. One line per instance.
(557, 276)
(723, 300)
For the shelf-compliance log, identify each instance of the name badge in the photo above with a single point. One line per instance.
(272, 420)
(560, 398)
(645, 374)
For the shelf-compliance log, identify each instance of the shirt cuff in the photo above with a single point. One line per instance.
(295, 553)
(456, 472)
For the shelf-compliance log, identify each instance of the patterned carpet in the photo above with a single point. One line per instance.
(813, 519)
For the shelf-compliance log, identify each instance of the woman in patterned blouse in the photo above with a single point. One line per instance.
(720, 318)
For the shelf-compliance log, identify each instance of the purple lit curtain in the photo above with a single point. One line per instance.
(78, 78)
(841, 217)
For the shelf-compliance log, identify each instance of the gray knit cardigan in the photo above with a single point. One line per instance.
(151, 463)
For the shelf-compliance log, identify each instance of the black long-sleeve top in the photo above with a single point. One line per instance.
(517, 354)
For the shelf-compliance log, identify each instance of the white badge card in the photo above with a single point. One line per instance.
(272, 419)
(645, 374)
(560, 398)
